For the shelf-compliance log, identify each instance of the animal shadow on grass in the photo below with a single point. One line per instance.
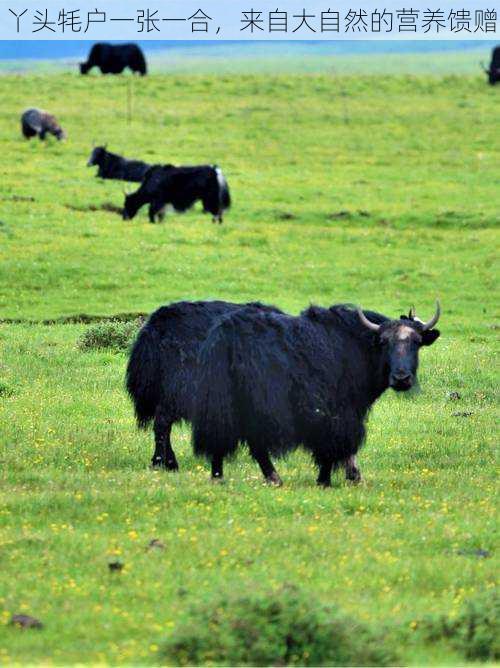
(105, 206)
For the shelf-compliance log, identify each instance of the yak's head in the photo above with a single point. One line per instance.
(493, 72)
(96, 156)
(131, 206)
(59, 134)
(84, 68)
(401, 340)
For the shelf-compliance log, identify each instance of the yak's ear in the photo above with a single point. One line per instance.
(430, 336)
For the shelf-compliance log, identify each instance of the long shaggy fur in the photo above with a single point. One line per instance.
(163, 363)
(275, 382)
(35, 122)
(113, 166)
(180, 187)
(114, 58)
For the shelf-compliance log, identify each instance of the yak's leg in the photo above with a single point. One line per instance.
(325, 464)
(210, 203)
(266, 466)
(352, 471)
(217, 467)
(164, 456)
(156, 209)
(151, 213)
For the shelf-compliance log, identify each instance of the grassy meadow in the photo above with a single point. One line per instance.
(378, 190)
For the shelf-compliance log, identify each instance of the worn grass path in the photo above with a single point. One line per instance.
(378, 190)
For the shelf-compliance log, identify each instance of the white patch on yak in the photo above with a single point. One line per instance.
(404, 333)
(220, 177)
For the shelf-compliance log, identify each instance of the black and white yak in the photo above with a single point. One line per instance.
(275, 382)
(180, 188)
(35, 122)
(113, 166)
(114, 58)
(163, 363)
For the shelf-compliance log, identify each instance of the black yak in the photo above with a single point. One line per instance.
(162, 366)
(37, 122)
(114, 58)
(494, 70)
(275, 382)
(180, 187)
(113, 166)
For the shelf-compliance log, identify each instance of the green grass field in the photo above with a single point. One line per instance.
(379, 190)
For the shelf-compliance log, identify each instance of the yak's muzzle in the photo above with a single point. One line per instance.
(401, 382)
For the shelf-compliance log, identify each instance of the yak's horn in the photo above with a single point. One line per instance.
(412, 313)
(366, 322)
(430, 324)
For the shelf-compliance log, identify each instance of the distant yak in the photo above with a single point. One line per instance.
(180, 188)
(275, 382)
(494, 70)
(114, 58)
(113, 166)
(35, 122)
(163, 363)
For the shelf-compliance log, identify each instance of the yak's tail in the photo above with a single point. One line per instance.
(144, 375)
(215, 420)
(224, 196)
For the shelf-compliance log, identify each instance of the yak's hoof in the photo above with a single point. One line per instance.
(217, 479)
(158, 463)
(324, 483)
(274, 480)
(354, 476)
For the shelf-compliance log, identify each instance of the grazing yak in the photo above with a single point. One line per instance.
(275, 382)
(162, 366)
(180, 187)
(494, 71)
(37, 122)
(112, 166)
(114, 58)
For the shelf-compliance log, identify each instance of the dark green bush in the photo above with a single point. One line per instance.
(284, 628)
(113, 334)
(5, 390)
(475, 632)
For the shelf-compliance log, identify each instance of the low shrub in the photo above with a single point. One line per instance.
(475, 632)
(284, 628)
(5, 390)
(114, 335)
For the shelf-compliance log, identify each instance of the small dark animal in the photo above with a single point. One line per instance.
(113, 166)
(26, 622)
(180, 187)
(114, 58)
(115, 566)
(163, 364)
(494, 70)
(37, 122)
(275, 382)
